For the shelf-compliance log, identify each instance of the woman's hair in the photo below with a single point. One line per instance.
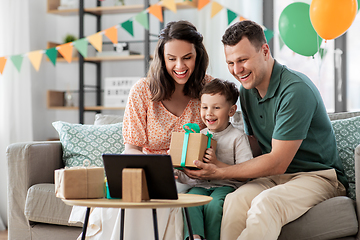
(249, 29)
(162, 85)
(222, 87)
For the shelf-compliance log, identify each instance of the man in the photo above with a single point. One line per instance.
(295, 164)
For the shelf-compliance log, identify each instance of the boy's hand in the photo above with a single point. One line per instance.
(210, 157)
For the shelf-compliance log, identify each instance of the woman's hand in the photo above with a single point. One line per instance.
(132, 149)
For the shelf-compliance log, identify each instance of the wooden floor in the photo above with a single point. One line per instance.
(3, 235)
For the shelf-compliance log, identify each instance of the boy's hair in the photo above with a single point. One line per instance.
(249, 29)
(222, 87)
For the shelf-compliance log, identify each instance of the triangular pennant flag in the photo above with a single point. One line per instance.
(215, 8)
(128, 26)
(202, 3)
(268, 34)
(111, 33)
(82, 46)
(96, 41)
(2, 64)
(66, 50)
(142, 18)
(169, 4)
(51, 53)
(242, 18)
(17, 61)
(35, 58)
(156, 10)
(231, 16)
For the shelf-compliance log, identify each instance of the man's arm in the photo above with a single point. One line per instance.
(273, 163)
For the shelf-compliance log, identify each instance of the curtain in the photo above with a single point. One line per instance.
(15, 87)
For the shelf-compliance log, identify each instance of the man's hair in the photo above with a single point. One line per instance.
(162, 85)
(249, 29)
(222, 87)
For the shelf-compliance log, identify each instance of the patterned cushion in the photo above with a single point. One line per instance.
(83, 145)
(347, 134)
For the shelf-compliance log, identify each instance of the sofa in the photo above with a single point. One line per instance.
(34, 213)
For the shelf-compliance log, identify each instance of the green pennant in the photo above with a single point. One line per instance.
(51, 53)
(82, 46)
(142, 18)
(17, 61)
(231, 16)
(281, 42)
(128, 26)
(268, 34)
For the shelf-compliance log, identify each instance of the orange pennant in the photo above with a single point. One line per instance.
(66, 51)
(215, 8)
(96, 41)
(202, 3)
(156, 10)
(35, 58)
(2, 64)
(169, 4)
(111, 33)
(242, 18)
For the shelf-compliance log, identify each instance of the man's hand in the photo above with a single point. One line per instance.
(206, 171)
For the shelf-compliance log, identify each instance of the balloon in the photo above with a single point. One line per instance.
(358, 2)
(331, 18)
(296, 30)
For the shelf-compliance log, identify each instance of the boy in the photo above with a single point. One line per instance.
(218, 104)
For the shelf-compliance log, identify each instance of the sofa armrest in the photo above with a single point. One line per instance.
(29, 163)
(357, 184)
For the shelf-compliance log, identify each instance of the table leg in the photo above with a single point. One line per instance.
(156, 231)
(85, 223)
(122, 222)
(191, 236)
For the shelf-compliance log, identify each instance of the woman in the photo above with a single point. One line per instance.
(158, 105)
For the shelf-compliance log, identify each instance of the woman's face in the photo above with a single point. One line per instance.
(180, 59)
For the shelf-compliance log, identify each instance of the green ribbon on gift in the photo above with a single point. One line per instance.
(189, 128)
(209, 135)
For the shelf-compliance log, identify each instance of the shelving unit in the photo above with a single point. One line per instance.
(97, 12)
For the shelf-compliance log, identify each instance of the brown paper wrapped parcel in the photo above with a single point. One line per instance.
(80, 182)
(196, 147)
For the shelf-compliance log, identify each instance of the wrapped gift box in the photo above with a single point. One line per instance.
(197, 145)
(80, 182)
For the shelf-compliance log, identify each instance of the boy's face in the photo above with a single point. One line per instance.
(215, 111)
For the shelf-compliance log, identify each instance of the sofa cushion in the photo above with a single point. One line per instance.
(83, 145)
(102, 119)
(347, 134)
(331, 219)
(42, 206)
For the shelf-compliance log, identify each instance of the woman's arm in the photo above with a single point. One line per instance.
(132, 149)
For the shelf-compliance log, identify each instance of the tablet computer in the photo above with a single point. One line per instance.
(158, 170)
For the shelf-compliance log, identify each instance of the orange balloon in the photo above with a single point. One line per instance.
(332, 18)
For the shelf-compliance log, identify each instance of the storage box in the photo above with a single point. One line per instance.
(80, 182)
(197, 145)
(117, 89)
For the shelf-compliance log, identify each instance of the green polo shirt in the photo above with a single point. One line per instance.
(292, 109)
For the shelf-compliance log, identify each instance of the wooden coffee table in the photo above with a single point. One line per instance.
(184, 201)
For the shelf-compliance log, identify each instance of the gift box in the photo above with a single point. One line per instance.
(80, 182)
(194, 149)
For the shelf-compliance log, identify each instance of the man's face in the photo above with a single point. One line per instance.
(247, 64)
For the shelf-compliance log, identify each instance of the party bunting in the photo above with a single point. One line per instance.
(281, 42)
(111, 33)
(17, 61)
(82, 46)
(202, 3)
(156, 10)
(242, 18)
(215, 8)
(2, 64)
(52, 53)
(35, 58)
(231, 16)
(96, 41)
(128, 26)
(268, 34)
(169, 4)
(142, 18)
(66, 51)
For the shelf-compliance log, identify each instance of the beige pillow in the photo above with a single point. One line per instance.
(102, 119)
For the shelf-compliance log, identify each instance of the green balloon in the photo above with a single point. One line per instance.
(358, 1)
(297, 31)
